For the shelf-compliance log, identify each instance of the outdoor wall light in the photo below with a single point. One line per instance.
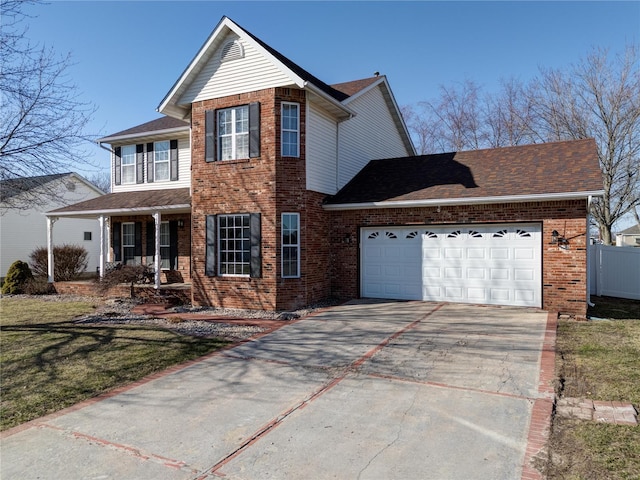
(557, 239)
(180, 223)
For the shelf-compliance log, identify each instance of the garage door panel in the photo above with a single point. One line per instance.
(493, 264)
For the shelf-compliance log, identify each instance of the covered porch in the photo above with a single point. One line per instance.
(151, 228)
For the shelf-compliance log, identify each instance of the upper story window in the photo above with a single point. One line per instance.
(128, 164)
(290, 130)
(161, 161)
(233, 133)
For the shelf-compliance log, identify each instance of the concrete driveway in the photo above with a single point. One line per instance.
(366, 390)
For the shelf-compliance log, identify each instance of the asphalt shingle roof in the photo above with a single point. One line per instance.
(14, 186)
(159, 124)
(548, 168)
(146, 199)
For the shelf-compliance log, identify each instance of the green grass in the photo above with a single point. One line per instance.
(48, 362)
(599, 360)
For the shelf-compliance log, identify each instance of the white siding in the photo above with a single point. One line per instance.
(370, 135)
(24, 231)
(184, 169)
(321, 153)
(248, 74)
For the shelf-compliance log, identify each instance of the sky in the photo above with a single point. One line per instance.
(127, 54)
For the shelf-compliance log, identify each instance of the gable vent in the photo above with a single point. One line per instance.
(231, 51)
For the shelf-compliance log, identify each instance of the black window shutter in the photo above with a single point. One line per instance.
(118, 165)
(210, 136)
(254, 129)
(173, 244)
(116, 230)
(210, 254)
(150, 159)
(137, 251)
(151, 241)
(173, 159)
(139, 163)
(256, 260)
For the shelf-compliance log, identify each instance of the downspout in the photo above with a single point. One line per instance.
(589, 259)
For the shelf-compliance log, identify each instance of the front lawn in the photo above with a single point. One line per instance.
(599, 360)
(48, 362)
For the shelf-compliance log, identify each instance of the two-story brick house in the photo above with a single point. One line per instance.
(257, 186)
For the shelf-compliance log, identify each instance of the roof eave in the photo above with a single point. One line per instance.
(180, 208)
(166, 131)
(340, 109)
(543, 197)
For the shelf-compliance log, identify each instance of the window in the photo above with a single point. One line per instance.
(290, 141)
(161, 161)
(234, 245)
(128, 242)
(165, 245)
(129, 164)
(233, 133)
(87, 236)
(290, 245)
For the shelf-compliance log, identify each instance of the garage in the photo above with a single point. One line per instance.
(497, 264)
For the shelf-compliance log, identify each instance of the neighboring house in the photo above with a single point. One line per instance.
(22, 230)
(629, 237)
(266, 188)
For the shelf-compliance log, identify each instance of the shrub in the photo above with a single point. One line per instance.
(69, 261)
(18, 275)
(39, 286)
(130, 274)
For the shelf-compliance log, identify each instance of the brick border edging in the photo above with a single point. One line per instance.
(542, 412)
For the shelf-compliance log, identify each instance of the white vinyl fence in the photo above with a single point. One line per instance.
(614, 271)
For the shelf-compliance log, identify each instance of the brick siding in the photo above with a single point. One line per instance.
(271, 185)
(564, 275)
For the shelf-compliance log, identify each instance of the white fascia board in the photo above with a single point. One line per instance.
(339, 105)
(543, 197)
(153, 133)
(184, 208)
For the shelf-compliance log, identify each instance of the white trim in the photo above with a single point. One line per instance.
(297, 129)
(182, 208)
(542, 197)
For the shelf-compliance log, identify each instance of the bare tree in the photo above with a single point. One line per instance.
(102, 180)
(42, 118)
(597, 98)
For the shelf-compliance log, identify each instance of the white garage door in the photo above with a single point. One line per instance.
(485, 264)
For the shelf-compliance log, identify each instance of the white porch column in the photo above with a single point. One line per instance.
(157, 261)
(50, 222)
(101, 221)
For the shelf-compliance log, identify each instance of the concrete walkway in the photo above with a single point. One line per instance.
(367, 390)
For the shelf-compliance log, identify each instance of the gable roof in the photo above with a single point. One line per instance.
(12, 187)
(15, 186)
(333, 97)
(297, 74)
(158, 126)
(632, 230)
(172, 200)
(559, 170)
